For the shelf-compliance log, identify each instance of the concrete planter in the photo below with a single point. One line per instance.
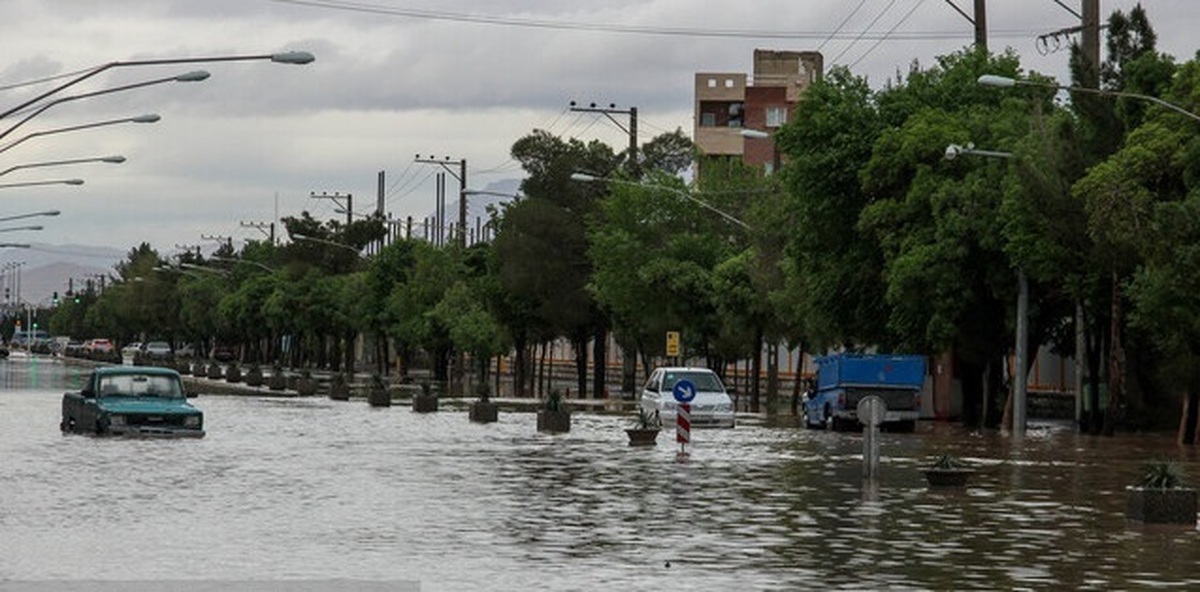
(306, 387)
(233, 374)
(277, 381)
(484, 412)
(642, 436)
(379, 397)
(947, 477)
(554, 422)
(214, 371)
(425, 403)
(1151, 505)
(254, 376)
(339, 390)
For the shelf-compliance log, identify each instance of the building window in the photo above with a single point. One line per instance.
(728, 83)
(712, 83)
(776, 116)
(708, 119)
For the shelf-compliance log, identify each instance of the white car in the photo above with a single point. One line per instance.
(712, 407)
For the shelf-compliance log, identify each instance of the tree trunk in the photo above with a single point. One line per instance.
(600, 363)
(581, 366)
(1116, 363)
(518, 365)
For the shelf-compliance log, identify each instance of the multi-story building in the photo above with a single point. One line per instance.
(728, 103)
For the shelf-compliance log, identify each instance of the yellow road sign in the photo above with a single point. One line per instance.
(672, 343)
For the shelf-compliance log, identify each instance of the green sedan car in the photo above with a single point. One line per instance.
(132, 401)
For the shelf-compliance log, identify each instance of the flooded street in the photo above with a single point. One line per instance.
(312, 489)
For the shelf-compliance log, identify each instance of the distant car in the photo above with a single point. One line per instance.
(132, 401)
(223, 353)
(188, 350)
(712, 407)
(98, 346)
(157, 350)
(132, 349)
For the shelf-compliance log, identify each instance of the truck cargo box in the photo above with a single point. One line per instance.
(884, 371)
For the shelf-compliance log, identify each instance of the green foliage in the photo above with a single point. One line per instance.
(1161, 474)
(645, 420)
(948, 462)
(554, 402)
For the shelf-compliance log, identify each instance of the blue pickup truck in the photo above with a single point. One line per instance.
(845, 379)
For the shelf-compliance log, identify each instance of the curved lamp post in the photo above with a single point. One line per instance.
(147, 118)
(314, 239)
(688, 196)
(262, 266)
(30, 215)
(195, 76)
(776, 160)
(287, 57)
(1005, 82)
(36, 183)
(31, 227)
(14, 246)
(115, 159)
(1020, 355)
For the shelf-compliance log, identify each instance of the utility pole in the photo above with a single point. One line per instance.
(979, 21)
(267, 228)
(335, 198)
(446, 163)
(632, 130)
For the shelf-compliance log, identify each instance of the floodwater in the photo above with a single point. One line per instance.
(316, 490)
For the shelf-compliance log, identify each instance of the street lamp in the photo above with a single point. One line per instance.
(35, 183)
(287, 57)
(1020, 355)
(314, 239)
(246, 261)
(688, 196)
(30, 215)
(1006, 82)
(108, 159)
(148, 118)
(31, 227)
(14, 245)
(195, 76)
(753, 134)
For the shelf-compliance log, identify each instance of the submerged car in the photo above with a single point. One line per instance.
(132, 401)
(712, 407)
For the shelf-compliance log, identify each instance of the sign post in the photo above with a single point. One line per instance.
(684, 391)
(672, 343)
(871, 411)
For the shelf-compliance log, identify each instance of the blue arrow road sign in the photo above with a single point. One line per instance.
(684, 391)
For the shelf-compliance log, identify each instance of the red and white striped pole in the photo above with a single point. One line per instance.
(683, 426)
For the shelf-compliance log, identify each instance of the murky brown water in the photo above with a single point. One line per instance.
(313, 489)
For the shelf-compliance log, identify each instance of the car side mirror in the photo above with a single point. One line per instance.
(88, 393)
(191, 394)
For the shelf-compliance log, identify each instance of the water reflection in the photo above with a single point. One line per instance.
(309, 488)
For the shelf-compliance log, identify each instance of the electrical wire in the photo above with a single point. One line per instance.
(863, 33)
(841, 24)
(366, 8)
(882, 39)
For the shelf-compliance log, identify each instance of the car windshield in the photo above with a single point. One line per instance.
(139, 385)
(703, 381)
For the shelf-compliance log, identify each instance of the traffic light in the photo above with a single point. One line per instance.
(54, 299)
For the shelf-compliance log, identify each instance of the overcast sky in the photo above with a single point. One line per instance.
(393, 79)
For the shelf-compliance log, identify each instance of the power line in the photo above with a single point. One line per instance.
(864, 32)
(842, 24)
(628, 29)
(894, 27)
